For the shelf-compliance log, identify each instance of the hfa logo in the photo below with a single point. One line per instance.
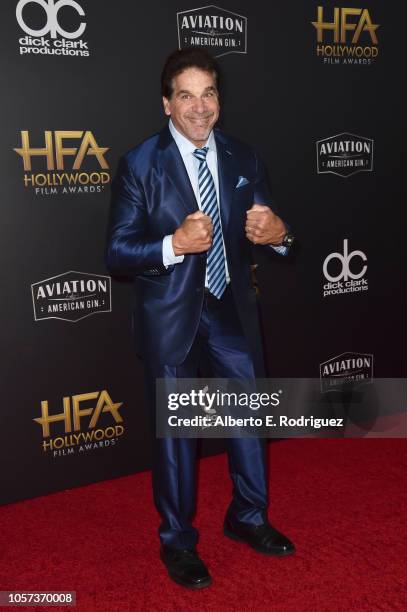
(81, 412)
(345, 272)
(44, 40)
(352, 33)
(56, 152)
(212, 28)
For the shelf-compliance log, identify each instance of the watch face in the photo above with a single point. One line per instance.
(288, 239)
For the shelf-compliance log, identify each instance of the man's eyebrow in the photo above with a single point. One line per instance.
(185, 91)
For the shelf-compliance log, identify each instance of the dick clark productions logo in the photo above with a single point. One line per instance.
(55, 37)
(345, 272)
(71, 296)
(212, 28)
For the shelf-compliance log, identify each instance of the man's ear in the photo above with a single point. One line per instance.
(166, 104)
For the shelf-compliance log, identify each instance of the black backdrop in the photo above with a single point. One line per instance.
(279, 96)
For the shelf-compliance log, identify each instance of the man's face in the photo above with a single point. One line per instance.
(194, 104)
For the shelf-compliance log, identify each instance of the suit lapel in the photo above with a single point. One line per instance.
(174, 168)
(228, 174)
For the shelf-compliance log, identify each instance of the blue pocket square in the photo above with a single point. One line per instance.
(241, 181)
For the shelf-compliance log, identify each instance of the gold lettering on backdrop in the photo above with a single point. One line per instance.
(46, 418)
(320, 25)
(60, 151)
(104, 404)
(341, 25)
(26, 152)
(88, 147)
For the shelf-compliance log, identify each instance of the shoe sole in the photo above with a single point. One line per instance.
(194, 587)
(236, 538)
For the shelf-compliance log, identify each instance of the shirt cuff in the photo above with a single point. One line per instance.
(169, 258)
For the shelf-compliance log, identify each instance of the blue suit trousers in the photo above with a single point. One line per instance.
(220, 340)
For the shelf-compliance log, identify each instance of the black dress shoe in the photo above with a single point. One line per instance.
(185, 567)
(263, 538)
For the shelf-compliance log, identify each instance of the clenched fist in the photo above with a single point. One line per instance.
(263, 226)
(194, 235)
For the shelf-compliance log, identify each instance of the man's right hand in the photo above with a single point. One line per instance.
(194, 235)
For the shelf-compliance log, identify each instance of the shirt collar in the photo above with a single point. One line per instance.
(185, 146)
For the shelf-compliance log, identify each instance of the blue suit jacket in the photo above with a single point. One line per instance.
(152, 195)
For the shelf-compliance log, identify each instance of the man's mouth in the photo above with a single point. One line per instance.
(199, 121)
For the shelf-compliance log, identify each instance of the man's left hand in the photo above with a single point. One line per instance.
(263, 226)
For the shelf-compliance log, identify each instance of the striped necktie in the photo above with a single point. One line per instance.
(215, 262)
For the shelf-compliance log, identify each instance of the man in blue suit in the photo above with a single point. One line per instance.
(188, 204)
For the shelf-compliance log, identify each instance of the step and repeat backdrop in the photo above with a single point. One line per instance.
(314, 86)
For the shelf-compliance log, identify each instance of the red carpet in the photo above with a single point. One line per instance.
(343, 502)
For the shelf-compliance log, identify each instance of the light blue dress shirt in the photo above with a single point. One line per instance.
(187, 148)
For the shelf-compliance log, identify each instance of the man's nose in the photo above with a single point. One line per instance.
(199, 105)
